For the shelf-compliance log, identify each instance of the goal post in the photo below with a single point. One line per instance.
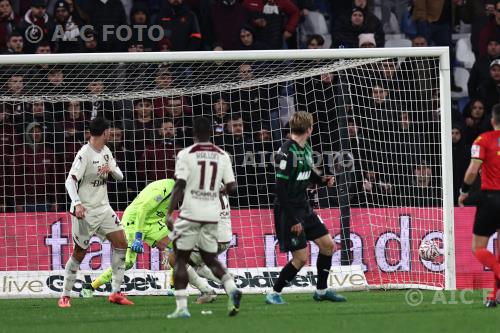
(382, 128)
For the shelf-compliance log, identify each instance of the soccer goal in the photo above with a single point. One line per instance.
(382, 124)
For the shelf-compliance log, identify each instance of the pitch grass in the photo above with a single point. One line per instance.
(373, 311)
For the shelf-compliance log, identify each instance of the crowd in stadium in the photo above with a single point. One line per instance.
(147, 133)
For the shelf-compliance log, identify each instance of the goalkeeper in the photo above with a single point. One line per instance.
(144, 222)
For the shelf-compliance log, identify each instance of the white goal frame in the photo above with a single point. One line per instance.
(172, 57)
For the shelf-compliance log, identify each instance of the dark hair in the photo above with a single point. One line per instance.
(202, 129)
(235, 116)
(495, 113)
(98, 125)
(318, 39)
(14, 33)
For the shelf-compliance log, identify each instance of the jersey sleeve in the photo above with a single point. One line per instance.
(284, 162)
(478, 149)
(79, 165)
(227, 172)
(182, 166)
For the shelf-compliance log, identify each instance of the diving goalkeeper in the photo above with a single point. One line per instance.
(144, 222)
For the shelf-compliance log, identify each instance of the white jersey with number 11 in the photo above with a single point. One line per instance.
(203, 166)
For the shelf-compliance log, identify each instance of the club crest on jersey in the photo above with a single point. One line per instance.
(106, 157)
(283, 165)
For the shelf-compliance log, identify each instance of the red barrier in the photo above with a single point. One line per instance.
(384, 240)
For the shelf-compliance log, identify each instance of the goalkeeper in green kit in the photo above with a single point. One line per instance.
(144, 222)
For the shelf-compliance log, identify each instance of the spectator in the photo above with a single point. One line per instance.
(248, 41)
(236, 144)
(399, 8)
(489, 90)
(461, 158)
(14, 44)
(139, 16)
(8, 22)
(6, 157)
(15, 89)
(275, 20)
(178, 109)
(75, 121)
(140, 131)
(164, 45)
(477, 121)
(263, 177)
(480, 72)
(79, 16)
(347, 30)
(371, 22)
(222, 24)
(55, 81)
(315, 42)
(376, 191)
(367, 41)
(490, 31)
(37, 113)
(112, 13)
(43, 48)
(220, 113)
(90, 42)
(180, 25)
(97, 107)
(121, 192)
(35, 174)
(158, 161)
(36, 24)
(66, 32)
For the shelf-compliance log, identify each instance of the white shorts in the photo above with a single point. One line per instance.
(224, 230)
(98, 223)
(189, 235)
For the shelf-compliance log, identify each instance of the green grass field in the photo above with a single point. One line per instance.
(372, 311)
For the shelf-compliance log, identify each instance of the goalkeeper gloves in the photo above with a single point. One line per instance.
(137, 245)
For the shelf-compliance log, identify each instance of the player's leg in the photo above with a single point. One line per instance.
(106, 276)
(188, 236)
(492, 300)
(81, 232)
(119, 244)
(288, 242)
(202, 269)
(316, 230)
(484, 227)
(208, 250)
(70, 271)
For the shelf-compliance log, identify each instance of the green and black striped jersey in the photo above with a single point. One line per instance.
(294, 164)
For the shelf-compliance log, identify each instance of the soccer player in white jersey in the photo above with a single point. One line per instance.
(199, 171)
(91, 212)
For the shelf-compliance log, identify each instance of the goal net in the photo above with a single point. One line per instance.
(378, 119)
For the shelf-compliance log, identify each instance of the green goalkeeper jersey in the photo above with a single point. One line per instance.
(149, 208)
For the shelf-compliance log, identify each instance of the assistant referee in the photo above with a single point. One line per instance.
(485, 156)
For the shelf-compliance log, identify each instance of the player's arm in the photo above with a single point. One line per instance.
(315, 178)
(114, 169)
(478, 153)
(75, 175)
(228, 175)
(177, 196)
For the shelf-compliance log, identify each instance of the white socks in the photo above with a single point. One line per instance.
(198, 282)
(72, 267)
(118, 268)
(228, 282)
(181, 296)
(205, 272)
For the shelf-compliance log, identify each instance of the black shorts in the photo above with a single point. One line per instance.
(487, 220)
(288, 241)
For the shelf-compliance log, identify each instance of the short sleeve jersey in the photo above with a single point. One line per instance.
(294, 164)
(92, 188)
(203, 166)
(486, 148)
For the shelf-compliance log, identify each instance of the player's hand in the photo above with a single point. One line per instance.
(137, 246)
(462, 198)
(104, 170)
(162, 243)
(80, 211)
(329, 180)
(170, 223)
(297, 228)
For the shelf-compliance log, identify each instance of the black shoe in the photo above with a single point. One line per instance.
(491, 303)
